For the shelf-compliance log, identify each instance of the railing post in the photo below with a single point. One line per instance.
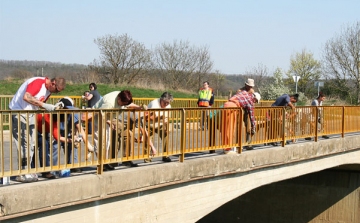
(343, 122)
(240, 130)
(183, 135)
(317, 124)
(100, 146)
(283, 127)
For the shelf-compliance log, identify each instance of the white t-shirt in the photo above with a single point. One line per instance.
(36, 87)
(156, 104)
(108, 101)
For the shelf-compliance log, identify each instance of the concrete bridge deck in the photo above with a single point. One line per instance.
(176, 192)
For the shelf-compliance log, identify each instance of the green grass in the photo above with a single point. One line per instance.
(10, 87)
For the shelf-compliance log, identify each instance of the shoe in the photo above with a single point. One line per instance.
(34, 177)
(325, 136)
(76, 170)
(308, 138)
(212, 151)
(48, 175)
(248, 147)
(274, 144)
(130, 164)
(166, 159)
(147, 160)
(27, 178)
(108, 167)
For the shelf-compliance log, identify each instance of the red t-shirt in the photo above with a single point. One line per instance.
(39, 120)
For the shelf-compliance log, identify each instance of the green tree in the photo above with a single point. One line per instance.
(276, 88)
(342, 62)
(307, 68)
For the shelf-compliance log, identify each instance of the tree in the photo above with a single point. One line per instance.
(216, 80)
(259, 74)
(276, 88)
(125, 58)
(342, 61)
(307, 68)
(182, 64)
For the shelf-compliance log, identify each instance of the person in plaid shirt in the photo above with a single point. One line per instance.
(242, 99)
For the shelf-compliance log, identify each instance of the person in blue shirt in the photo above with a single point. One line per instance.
(71, 126)
(284, 101)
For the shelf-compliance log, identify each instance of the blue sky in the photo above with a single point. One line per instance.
(240, 34)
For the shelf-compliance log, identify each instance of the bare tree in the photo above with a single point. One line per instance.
(183, 64)
(342, 60)
(216, 80)
(307, 68)
(125, 58)
(260, 75)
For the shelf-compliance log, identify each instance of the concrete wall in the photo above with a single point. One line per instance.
(176, 192)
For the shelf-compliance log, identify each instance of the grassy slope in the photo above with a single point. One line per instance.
(10, 88)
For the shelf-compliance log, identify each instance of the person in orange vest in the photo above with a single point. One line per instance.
(206, 100)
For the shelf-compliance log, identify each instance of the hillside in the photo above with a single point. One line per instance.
(9, 87)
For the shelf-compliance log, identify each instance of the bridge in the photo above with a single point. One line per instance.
(197, 182)
(177, 192)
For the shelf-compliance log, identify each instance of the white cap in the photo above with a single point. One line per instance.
(257, 96)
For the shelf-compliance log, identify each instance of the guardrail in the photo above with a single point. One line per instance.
(79, 103)
(179, 133)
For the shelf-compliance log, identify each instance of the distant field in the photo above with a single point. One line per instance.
(10, 87)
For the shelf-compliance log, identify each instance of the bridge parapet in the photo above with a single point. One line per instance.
(229, 175)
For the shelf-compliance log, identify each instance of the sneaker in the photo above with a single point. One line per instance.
(147, 160)
(166, 159)
(108, 167)
(27, 178)
(34, 177)
(248, 147)
(325, 136)
(130, 164)
(76, 170)
(48, 175)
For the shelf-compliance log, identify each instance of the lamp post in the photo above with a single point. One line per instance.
(296, 79)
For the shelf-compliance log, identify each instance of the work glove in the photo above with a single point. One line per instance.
(77, 141)
(59, 105)
(48, 107)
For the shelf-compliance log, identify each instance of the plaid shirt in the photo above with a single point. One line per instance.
(246, 101)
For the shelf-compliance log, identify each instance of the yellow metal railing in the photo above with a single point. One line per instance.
(180, 131)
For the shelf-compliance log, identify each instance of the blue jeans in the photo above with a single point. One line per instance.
(47, 151)
(70, 150)
(89, 127)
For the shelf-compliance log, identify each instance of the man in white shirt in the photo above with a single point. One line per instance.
(31, 95)
(113, 100)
